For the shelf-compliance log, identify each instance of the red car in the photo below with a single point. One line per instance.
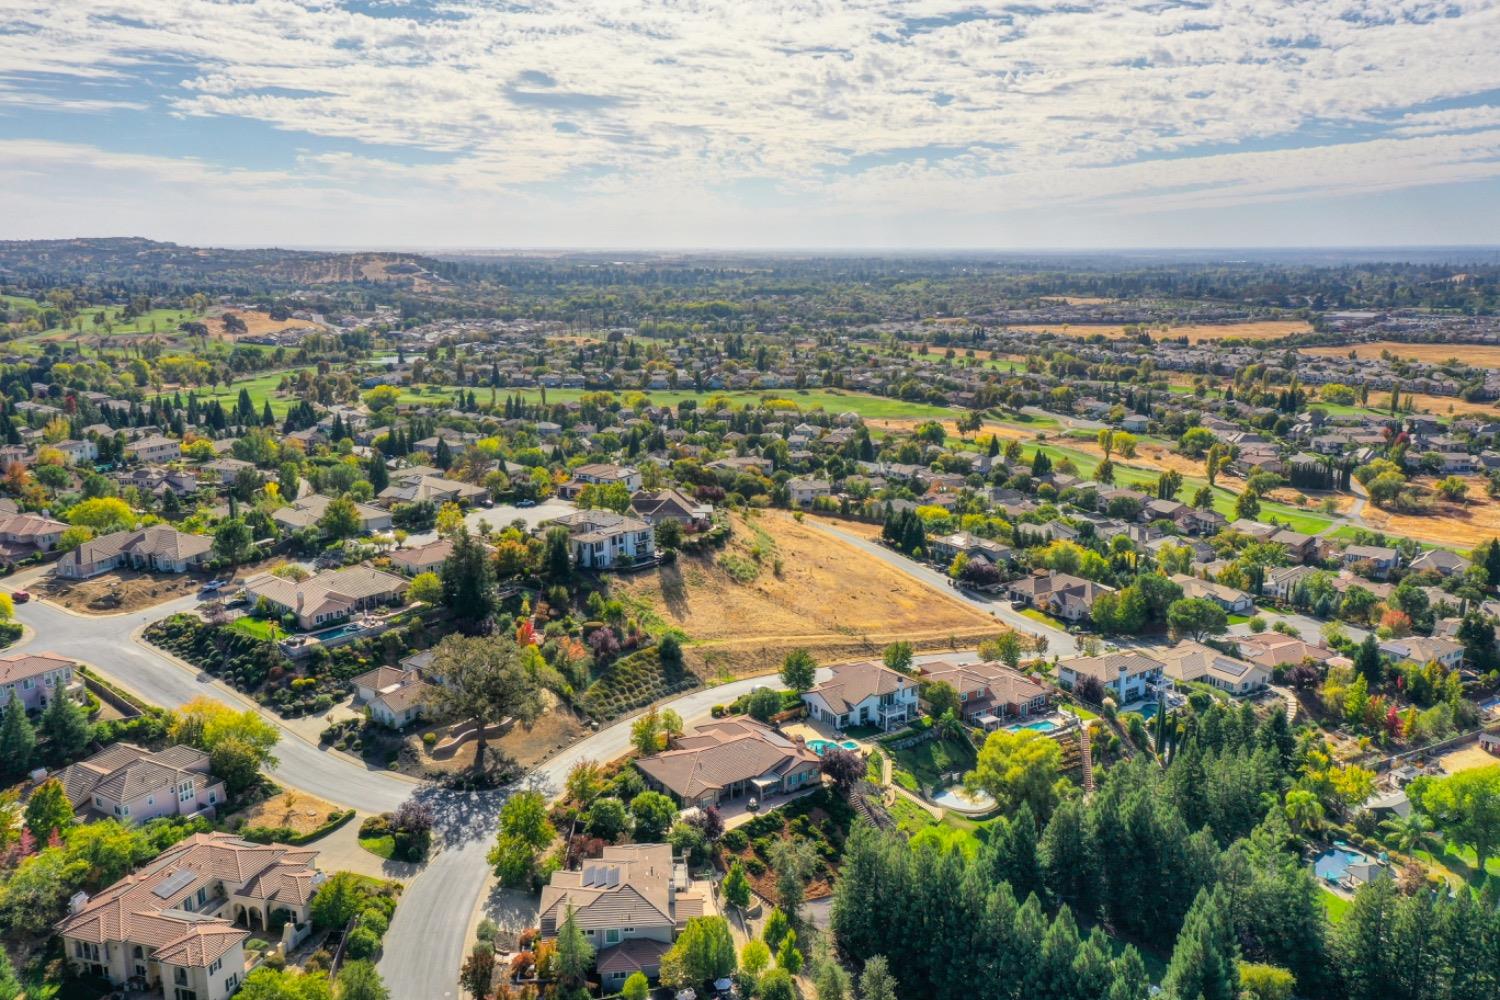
(21, 596)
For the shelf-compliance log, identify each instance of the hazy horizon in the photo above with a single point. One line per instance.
(861, 126)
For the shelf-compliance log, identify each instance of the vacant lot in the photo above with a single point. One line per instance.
(1467, 759)
(828, 597)
(1485, 355)
(297, 811)
(118, 591)
(257, 323)
(1462, 525)
(1196, 333)
(554, 729)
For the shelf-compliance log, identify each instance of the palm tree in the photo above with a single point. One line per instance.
(1304, 811)
(1409, 834)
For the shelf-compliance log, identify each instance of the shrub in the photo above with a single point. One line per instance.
(375, 919)
(362, 943)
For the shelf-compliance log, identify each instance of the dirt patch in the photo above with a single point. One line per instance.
(1468, 759)
(554, 729)
(829, 597)
(1462, 525)
(1483, 355)
(297, 811)
(118, 591)
(1196, 333)
(863, 529)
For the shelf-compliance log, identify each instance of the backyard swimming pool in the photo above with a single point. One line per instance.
(1042, 726)
(820, 747)
(1332, 864)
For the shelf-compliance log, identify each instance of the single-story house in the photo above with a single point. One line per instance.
(328, 597)
(1194, 661)
(159, 548)
(728, 759)
(306, 512)
(1234, 602)
(427, 558)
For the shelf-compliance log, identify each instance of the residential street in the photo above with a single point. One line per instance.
(1058, 641)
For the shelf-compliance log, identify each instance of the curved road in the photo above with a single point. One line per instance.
(426, 941)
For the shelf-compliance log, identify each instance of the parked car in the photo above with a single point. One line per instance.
(214, 586)
(525, 503)
(21, 596)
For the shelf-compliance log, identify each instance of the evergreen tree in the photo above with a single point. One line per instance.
(1204, 964)
(66, 728)
(17, 739)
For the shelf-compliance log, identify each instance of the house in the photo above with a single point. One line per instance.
(863, 694)
(656, 506)
(225, 471)
(802, 492)
(1303, 548)
(134, 785)
(1234, 602)
(1068, 597)
(327, 597)
(600, 474)
(1126, 677)
(946, 548)
(393, 695)
(1193, 661)
(1424, 649)
(728, 759)
(78, 451)
(1439, 561)
(1272, 649)
(427, 558)
(22, 535)
(408, 488)
(989, 693)
(34, 678)
(173, 922)
(630, 902)
(1381, 559)
(153, 449)
(601, 539)
(159, 548)
(306, 512)
(1281, 582)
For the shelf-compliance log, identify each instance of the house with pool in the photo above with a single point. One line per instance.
(1125, 677)
(864, 694)
(730, 759)
(989, 694)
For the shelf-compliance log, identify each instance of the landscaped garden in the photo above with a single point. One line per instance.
(923, 765)
(821, 819)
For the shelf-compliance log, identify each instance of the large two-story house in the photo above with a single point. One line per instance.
(179, 924)
(863, 694)
(35, 679)
(1126, 677)
(989, 693)
(1068, 597)
(629, 903)
(134, 785)
(601, 539)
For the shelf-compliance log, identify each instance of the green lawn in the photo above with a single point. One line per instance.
(1335, 906)
(1462, 864)
(383, 846)
(261, 387)
(1044, 618)
(257, 628)
(927, 762)
(831, 400)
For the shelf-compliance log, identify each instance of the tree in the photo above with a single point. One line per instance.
(48, 810)
(468, 579)
(704, 951)
(575, 956)
(755, 958)
(103, 514)
(876, 981)
(1204, 964)
(340, 519)
(762, 704)
(845, 768)
(1016, 767)
(10, 986)
(1196, 618)
(1304, 811)
(1409, 834)
(237, 762)
(1465, 806)
(799, 670)
(266, 983)
(17, 738)
(637, 986)
(207, 724)
(788, 955)
(338, 901)
(777, 984)
(66, 727)
(777, 927)
(606, 818)
(478, 973)
(1266, 982)
(524, 831)
(645, 733)
(482, 681)
(557, 557)
(793, 861)
(668, 535)
(360, 981)
(830, 981)
(737, 887)
(1246, 506)
(426, 587)
(898, 656)
(653, 814)
(232, 540)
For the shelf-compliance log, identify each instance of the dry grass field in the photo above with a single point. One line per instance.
(1196, 333)
(297, 811)
(1485, 355)
(257, 323)
(1462, 525)
(830, 598)
(1468, 758)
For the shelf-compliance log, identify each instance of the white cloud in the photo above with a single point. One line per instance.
(585, 104)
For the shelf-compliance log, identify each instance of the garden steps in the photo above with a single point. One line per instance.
(1088, 759)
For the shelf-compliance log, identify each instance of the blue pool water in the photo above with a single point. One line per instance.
(338, 633)
(1043, 726)
(820, 747)
(1334, 862)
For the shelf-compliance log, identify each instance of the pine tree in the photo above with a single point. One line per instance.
(17, 739)
(66, 728)
(1204, 964)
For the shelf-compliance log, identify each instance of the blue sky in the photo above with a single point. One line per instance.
(863, 124)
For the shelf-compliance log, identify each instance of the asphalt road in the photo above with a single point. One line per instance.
(1058, 641)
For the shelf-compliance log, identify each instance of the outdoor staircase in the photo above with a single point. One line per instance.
(1087, 752)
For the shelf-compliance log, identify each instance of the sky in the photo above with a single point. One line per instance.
(757, 124)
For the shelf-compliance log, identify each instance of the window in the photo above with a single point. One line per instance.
(232, 983)
(612, 936)
(86, 951)
(627, 930)
(215, 966)
(203, 895)
(179, 976)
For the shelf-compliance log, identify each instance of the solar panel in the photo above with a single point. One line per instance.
(175, 882)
